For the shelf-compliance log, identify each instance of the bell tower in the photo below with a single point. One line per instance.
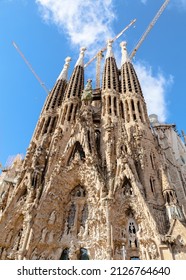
(73, 93)
(95, 183)
(134, 103)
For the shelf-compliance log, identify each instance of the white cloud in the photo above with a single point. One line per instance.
(89, 23)
(85, 22)
(154, 88)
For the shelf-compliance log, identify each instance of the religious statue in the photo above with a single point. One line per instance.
(87, 93)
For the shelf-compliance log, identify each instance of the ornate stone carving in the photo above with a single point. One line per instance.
(87, 92)
(52, 218)
(152, 251)
(85, 183)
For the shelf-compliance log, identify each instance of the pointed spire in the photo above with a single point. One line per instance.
(109, 49)
(76, 82)
(110, 74)
(125, 57)
(64, 72)
(80, 60)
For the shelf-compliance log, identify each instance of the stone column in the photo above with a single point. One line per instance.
(109, 231)
(21, 255)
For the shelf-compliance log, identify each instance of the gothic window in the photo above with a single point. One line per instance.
(83, 254)
(127, 188)
(132, 230)
(55, 94)
(152, 160)
(78, 149)
(109, 107)
(50, 99)
(78, 192)
(128, 78)
(70, 112)
(34, 179)
(123, 82)
(167, 198)
(127, 111)
(132, 104)
(115, 106)
(78, 211)
(122, 109)
(23, 194)
(152, 184)
(139, 111)
(89, 142)
(61, 93)
(46, 125)
(123, 149)
(65, 254)
(53, 124)
(97, 138)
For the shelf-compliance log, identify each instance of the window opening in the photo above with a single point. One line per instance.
(70, 112)
(83, 254)
(65, 254)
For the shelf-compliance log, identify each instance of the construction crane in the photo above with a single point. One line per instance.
(30, 66)
(133, 53)
(99, 54)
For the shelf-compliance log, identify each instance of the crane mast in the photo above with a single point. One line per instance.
(162, 8)
(99, 54)
(30, 66)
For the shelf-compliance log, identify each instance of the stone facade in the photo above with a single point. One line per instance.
(99, 180)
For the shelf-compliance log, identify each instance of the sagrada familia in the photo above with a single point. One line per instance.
(100, 180)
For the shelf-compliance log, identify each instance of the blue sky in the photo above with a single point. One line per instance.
(47, 31)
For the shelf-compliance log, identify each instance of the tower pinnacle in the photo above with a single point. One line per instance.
(124, 52)
(64, 72)
(80, 60)
(109, 49)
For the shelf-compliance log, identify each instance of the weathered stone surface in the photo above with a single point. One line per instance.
(97, 182)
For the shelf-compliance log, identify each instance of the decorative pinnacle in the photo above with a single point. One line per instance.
(124, 58)
(80, 60)
(109, 49)
(64, 72)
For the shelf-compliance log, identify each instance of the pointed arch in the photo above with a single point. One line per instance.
(127, 189)
(98, 140)
(83, 255)
(65, 254)
(78, 191)
(132, 229)
(77, 149)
